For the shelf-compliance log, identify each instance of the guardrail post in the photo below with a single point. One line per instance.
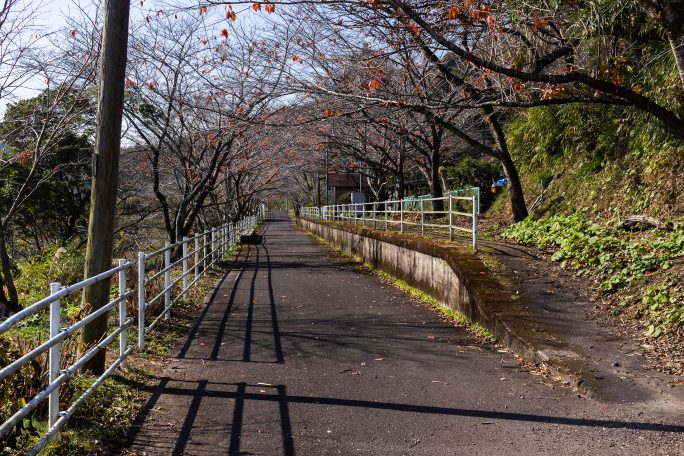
(53, 401)
(386, 216)
(422, 218)
(185, 266)
(205, 251)
(219, 242)
(219, 236)
(141, 300)
(401, 216)
(213, 245)
(451, 217)
(222, 241)
(375, 214)
(167, 282)
(474, 223)
(196, 263)
(123, 337)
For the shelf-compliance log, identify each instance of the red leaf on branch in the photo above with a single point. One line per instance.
(374, 85)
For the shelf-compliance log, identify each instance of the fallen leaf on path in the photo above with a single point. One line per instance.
(379, 359)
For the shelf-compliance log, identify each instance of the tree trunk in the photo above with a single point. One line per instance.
(518, 205)
(106, 172)
(436, 185)
(435, 178)
(401, 186)
(11, 301)
(673, 22)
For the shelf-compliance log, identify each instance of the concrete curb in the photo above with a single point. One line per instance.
(473, 290)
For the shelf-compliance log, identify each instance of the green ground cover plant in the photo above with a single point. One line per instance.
(642, 269)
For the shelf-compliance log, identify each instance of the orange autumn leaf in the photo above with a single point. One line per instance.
(256, 6)
(538, 23)
(328, 113)
(231, 15)
(415, 29)
(270, 8)
(203, 10)
(224, 33)
(453, 12)
(296, 58)
(374, 85)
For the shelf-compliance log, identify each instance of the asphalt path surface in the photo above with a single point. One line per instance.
(300, 352)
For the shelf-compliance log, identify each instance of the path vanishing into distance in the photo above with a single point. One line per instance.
(300, 352)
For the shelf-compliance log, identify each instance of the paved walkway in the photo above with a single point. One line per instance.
(299, 353)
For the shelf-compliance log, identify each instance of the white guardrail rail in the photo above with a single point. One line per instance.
(199, 253)
(402, 215)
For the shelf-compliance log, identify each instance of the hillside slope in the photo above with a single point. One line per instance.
(584, 170)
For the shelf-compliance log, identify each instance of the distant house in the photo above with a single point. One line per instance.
(341, 183)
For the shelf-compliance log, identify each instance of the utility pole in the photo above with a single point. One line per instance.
(105, 169)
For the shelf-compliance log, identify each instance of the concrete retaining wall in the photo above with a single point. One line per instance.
(430, 274)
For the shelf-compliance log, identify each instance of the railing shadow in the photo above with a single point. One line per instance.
(212, 301)
(253, 260)
(240, 394)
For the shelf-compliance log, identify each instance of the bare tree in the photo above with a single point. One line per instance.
(66, 73)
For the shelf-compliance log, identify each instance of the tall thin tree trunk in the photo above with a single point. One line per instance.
(11, 301)
(106, 172)
(518, 206)
(675, 35)
(401, 186)
(436, 181)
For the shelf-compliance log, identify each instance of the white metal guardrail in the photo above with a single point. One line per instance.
(207, 248)
(401, 215)
(198, 254)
